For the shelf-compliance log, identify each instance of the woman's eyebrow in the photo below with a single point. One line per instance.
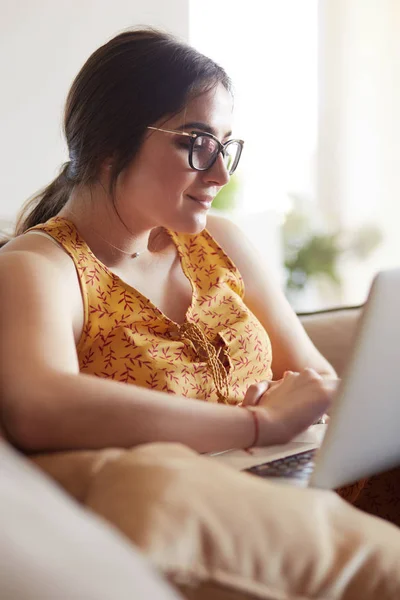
(202, 127)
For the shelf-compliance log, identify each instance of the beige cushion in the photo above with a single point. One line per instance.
(52, 549)
(333, 334)
(221, 534)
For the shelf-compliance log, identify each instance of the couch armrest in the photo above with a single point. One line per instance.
(333, 332)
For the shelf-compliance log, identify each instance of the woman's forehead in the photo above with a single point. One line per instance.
(213, 108)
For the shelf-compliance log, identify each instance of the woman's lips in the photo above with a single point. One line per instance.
(206, 202)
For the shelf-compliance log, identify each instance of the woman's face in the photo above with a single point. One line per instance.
(160, 188)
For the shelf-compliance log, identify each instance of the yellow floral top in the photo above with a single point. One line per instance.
(215, 355)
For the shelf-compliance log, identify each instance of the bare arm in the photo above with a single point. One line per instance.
(46, 404)
(292, 349)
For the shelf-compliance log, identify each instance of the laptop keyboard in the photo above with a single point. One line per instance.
(297, 466)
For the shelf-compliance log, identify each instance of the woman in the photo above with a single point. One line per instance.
(120, 282)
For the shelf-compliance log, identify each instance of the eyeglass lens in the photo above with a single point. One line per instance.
(205, 150)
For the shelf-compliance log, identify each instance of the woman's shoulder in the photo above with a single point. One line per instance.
(222, 228)
(38, 245)
(229, 236)
(33, 261)
(35, 243)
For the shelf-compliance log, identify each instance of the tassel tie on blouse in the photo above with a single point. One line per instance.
(193, 334)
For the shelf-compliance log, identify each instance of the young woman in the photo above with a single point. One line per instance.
(118, 275)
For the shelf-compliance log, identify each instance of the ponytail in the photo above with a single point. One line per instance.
(46, 204)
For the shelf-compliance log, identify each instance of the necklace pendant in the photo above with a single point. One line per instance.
(135, 254)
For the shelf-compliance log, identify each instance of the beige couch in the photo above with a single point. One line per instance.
(219, 534)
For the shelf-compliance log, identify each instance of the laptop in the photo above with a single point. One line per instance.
(363, 434)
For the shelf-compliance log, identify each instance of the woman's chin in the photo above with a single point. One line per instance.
(191, 225)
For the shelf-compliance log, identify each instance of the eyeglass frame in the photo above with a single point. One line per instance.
(193, 135)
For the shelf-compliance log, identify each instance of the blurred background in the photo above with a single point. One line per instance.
(317, 97)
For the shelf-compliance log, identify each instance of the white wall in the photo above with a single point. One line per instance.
(359, 129)
(43, 44)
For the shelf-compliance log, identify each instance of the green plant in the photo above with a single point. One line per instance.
(317, 256)
(312, 255)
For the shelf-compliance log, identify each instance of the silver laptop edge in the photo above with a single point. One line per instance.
(363, 435)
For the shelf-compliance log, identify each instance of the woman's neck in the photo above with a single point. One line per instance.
(109, 238)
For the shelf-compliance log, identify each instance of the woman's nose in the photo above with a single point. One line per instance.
(218, 173)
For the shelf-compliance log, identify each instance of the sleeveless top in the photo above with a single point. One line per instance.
(219, 350)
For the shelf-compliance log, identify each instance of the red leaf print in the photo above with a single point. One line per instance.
(113, 287)
(191, 246)
(106, 340)
(181, 353)
(210, 271)
(82, 258)
(241, 362)
(217, 284)
(127, 339)
(235, 387)
(185, 374)
(108, 375)
(207, 299)
(224, 300)
(242, 343)
(127, 300)
(101, 295)
(196, 268)
(86, 331)
(198, 368)
(93, 275)
(170, 374)
(99, 334)
(81, 270)
(166, 355)
(127, 375)
(201, 254)
(249, 332)
(205, 376)
(121, 321)
(197, 281)
(153, 351)
(135, 330)
(211, 313)
(102, 311)
(109, 358)
(152, 381)
(165, 388)
(153, 330)
(235, 312)
(258, 345)
(250, 372)
(87, 359)
(200, 392)
(138, 360)
(230, 333)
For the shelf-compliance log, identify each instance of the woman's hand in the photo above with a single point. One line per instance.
(290, 405)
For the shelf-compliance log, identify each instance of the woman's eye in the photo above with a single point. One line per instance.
(182, 144)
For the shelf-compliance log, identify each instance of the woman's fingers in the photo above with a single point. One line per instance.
(296, 402)
(255, 392)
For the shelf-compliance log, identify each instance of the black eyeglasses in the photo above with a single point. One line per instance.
(205, 147)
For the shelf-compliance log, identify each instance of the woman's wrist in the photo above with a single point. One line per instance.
(264, 432)
(253, 412)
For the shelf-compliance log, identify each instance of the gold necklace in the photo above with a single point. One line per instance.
(132, 255)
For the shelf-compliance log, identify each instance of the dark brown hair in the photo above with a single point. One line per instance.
(129, 83)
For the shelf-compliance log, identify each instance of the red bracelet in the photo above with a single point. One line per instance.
(253, 411)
